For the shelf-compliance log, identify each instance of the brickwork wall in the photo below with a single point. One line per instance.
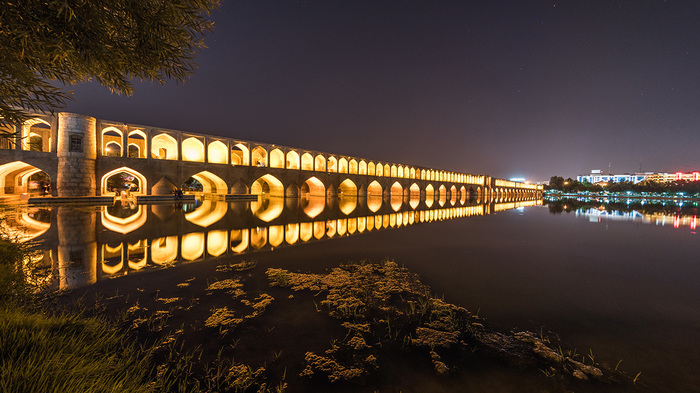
(76, 169)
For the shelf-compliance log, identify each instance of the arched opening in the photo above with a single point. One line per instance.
(370, 169)
(239, 154)
(276, 159)
(453, 195)
(259, 156)
(313, 197)
(412, 174)
(362, 169)
(307, 162)
(113, 149)
(292, 160)
(320, 163)
(396, 189)
(342, 165)
(352, 167)
(217, 153)
(275, 235)
(136, 144)
(414, 196)
(442, 195)
(379, 170)
(164, 147)
(111, 142)
(19, 177)
(429, 195)
(271, 202)
(192, 150)
(374, 196)
(399, 172)
(332, 164)
(205, 182)
(123, 180)
(347, 196)
(36, 135)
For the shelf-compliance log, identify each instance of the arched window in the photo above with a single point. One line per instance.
(164, 147)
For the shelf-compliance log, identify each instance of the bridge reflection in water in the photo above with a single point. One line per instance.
(81, 245)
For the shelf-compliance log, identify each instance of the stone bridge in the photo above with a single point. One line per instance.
(71, 155)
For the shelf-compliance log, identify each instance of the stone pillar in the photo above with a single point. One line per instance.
(77, 152)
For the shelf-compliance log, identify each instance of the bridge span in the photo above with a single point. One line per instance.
(72, 155)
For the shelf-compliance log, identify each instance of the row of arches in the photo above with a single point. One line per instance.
(34, 135)
(164, 146)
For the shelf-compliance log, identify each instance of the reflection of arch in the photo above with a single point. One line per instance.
(239, 240)
(164, 250)
(291, 233)
(313, 187)
(125, 224)
(217, 153)
(239, 155)
(276, 159)
(307, 162)
(292, 160)
(275, 235)
(211, 184)
(313, 199)
(320, 163)
(143, 186)
(429, 195)
(306, 231)
(136, 254)
(259, 156)
(192, 246)
(414, 195)
(453, 195)
(217, 242)
(207, 213)
(442, 195)
(258, 237)
(192, 150)
(164, 147)
(374, 196)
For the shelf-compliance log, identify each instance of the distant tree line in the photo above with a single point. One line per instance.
(569, 205)
(571, 185)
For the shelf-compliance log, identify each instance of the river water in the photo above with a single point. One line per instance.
(614, 279)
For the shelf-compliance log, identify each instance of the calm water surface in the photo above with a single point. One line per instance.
(618, 280)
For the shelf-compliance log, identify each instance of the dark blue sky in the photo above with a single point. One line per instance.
(506, 88)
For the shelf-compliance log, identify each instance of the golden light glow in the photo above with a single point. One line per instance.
(126, 224)
(207, 213)
(275, 235)
(217, 242)
(292, 160)
(192, 246)
(320, 163)
(192, 150)
(239, 240)
(239, 155)
(307, 162)
(217, 153)
(258, 237)
(164, 250)
(259, 156)
(276, 159)
(164, 147)
(291, 233)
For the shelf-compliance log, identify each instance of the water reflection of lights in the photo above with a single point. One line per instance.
(235, 228)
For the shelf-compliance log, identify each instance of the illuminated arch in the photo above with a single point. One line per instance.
(399, 172)
(342, 165)
(271, 203)
(313, 197)
(429, 195)
(217, 153)
(276, 159)
(374, 196)
(370, 168)
(211, 184)
(192, 150)
(142, 186)
(352, 167)
(347, 193)
(36, 128)
(267, 185)
(453, 195)
(275, 235)
(389, 171)
(259, 156)
(379, 171)
(112, 142)
(306, 231)
(292, 160)
(396, 189)
(307, 162)
(362, 168)
(442, 195)
(320, 163)
(239, 154)
(164, 147)
(136, 144)
(463, 195)
(332, 164)
(412, 173)
(347, 188)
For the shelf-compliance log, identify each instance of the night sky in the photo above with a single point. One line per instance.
(523, 88)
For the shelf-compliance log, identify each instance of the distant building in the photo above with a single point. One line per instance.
(596, 176)
(662, 177)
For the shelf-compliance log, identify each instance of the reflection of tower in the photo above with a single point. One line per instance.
(77, 152)
(77, 248)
